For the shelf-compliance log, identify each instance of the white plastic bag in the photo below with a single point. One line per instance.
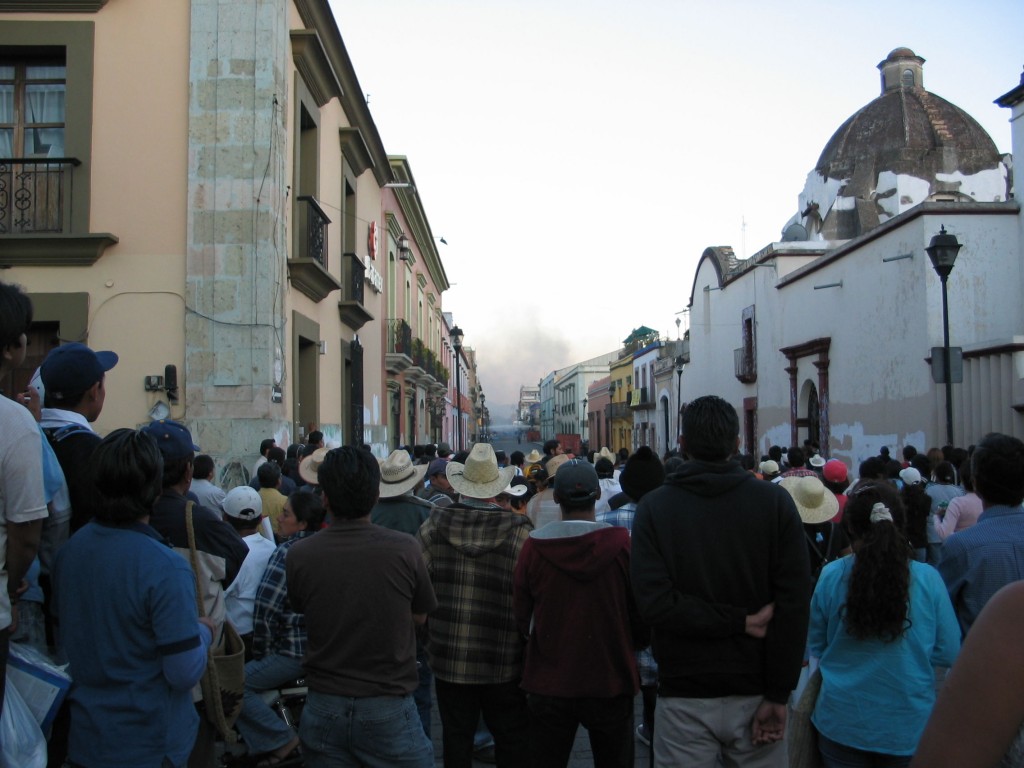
(21, 740)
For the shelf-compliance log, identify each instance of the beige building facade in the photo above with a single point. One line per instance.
(200, 187)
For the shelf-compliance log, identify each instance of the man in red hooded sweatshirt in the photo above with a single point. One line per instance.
(573, 600)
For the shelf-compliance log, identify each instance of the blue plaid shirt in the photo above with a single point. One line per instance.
(276, 628)
(621, 517)
(979, 561)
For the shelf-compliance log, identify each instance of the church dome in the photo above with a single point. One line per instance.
(901, 149)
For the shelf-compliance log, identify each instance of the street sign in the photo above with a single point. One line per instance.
(956, 365)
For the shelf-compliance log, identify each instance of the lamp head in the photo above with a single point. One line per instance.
(943, 251)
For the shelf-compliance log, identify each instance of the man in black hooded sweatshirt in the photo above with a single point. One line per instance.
(720, 572)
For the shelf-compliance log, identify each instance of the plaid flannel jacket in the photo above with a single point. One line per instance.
(470, 550)
(276, 628)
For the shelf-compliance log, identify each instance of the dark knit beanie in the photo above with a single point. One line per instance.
(642, 473)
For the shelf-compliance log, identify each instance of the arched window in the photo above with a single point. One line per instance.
(908, 78)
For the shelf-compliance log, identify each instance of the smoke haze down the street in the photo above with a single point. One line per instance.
(579, 156)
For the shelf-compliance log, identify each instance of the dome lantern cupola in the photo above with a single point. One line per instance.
(902, 68)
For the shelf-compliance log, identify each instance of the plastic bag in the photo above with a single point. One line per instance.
(21, 740)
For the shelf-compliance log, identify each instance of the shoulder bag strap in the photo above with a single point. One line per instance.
(194, 556)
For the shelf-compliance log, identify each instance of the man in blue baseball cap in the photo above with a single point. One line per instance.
(220, 551)
(73, 392)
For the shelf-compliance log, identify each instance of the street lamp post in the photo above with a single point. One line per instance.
(679, 397)
(483, 418)
(456, 337)
(583, 422)
(943, 251)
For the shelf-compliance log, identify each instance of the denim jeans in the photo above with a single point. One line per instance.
(377, 732)
(609, 723)
(836, 755)
(261, 727)
(503, 706)
(422, 695)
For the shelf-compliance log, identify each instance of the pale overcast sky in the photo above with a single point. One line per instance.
(579, 155)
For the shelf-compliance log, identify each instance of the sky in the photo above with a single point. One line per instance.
(578, 156)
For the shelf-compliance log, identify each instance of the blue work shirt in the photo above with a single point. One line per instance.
(979, 561)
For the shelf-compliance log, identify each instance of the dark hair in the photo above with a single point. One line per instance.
(918, 506)
(710, 428)
(909, 452)
(15, 315)
(966, 477)
(998, 467)
(517, 458)
(293, 451)
(126, 468)
(269, 474)
(747, 461)
(315, 437)
(276, 455)
(945, 473)
(879, 586)
(623, 454)
(350, 479)
(202, 467)
(919, 461)
(549, 447)
(775, 454)
(308, 508)
(604, 467)
(796, 457)
(871, 468)
(174, 470)
(266, 445)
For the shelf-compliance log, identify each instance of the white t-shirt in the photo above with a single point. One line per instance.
(21, 482)
(240, 597)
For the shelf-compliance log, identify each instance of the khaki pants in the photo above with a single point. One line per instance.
(696, 732)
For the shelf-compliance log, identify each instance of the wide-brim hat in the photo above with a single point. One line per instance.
(817, 461)
(399, 475)
(533, 457)
(479, 477)
(815, 503)
(554, 463)
(604, 453)
(516, 490)
(310, 465)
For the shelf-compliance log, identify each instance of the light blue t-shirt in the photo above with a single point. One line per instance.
(125, 600)
(877, 696)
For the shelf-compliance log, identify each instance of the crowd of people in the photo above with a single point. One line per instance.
(528, 595)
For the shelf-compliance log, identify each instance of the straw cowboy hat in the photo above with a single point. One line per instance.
(310, 465)
(554, 463)
(604, 453)
(814, 502)
(533, 457)
(398, 474)
(479, 477)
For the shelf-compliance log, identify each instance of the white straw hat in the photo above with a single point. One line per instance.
(479, 477)
(398, 474)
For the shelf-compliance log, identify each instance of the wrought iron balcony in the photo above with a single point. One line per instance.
(351, 309)
(639, 400)
(35, 195)
(307, 268)
(398, 356)
(746, 371)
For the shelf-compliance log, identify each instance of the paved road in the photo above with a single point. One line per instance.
(582, 757)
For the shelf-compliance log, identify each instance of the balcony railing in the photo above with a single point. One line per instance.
(352, 278)
(312, 230)
(35, 195)
(639, 399)
(618, 411)
(746, 371)
(399, 338)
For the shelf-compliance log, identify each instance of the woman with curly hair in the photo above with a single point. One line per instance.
(880, 622)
